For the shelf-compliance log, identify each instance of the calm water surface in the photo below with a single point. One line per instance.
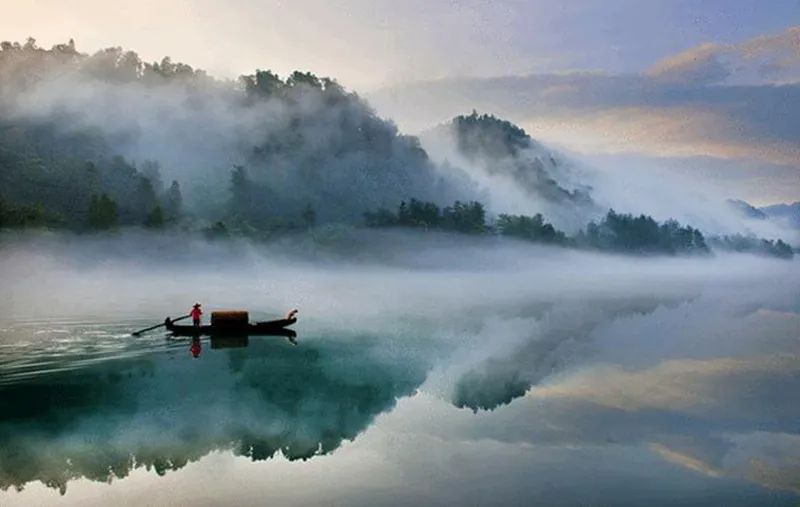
(592, 397)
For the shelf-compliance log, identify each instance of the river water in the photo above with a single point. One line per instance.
(571, 379)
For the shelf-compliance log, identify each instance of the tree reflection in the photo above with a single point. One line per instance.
(161, 413)
(500, 379)
(263, 397)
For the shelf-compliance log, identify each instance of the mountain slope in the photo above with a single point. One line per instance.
(301, 142)
(746, 210)
(519, 173)
(788, 213)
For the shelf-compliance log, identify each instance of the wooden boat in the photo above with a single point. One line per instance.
(235, 324)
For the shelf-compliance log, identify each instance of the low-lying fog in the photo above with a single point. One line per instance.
(343, 274)
(695, 359)
(490, 297)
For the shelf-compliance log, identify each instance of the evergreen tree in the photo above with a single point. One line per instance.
(309, 216)
(642, 234)
(403, 216)
(753, 244)
(145, 195)
(173, 201)
(152, 171)
(240, 190)
(263, 84)
(155, 219)
(102, 212)
(468, 217)
(531, 228)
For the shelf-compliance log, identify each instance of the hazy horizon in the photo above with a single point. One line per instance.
(706, 90)
(530, 243)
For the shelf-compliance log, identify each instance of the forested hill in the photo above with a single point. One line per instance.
(96, 142)
(504, 156)
(107, 134)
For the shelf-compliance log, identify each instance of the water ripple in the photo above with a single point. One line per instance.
(35, 348)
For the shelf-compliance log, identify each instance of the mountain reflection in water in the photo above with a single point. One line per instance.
(612, 391)
(256, 396)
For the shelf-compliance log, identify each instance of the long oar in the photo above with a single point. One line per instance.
(137, 333)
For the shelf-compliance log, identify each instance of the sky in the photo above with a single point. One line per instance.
(369, 43)
(632, 77)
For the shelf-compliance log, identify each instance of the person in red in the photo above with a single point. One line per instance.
(196, 313)
(196, 347)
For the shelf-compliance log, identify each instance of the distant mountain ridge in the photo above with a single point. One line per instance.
(787, 212)
(746, 209)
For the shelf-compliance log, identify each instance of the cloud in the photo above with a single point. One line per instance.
(634, 114)
(767, 59)
(768, 459)
(734, 102)
(686, 460)
(718, 417)
(700, 383)
(682, 385)
(679, 131)
(743, 433)
(700, 65)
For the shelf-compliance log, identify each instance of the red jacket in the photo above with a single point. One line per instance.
(196, 348)
(196, 313)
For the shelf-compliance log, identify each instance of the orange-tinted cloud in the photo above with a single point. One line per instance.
(661, 131)
(772, 58)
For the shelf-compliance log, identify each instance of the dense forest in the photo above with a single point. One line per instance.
(752, 244)
(624, 233)
(641, 234)
(105, 141)
(468, 218)
(74, 126)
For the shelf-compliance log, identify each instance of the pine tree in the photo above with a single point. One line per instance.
(309, 216)
(173, 201)
(155, 219)
(102, 212)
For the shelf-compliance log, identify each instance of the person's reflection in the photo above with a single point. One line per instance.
(196, 347)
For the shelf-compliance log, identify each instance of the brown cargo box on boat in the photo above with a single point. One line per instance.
(230, 318)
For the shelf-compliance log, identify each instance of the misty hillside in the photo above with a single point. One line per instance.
(503, 148)
(76, 125)
(745, 209)
(788, 213)
(96, 142)
(110, 139)
(501, 155)
(785, 215)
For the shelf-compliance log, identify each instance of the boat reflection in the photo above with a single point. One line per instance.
(255, 396)
(235, 341)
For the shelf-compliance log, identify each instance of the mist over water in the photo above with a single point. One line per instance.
(485, 318)
(690, 364)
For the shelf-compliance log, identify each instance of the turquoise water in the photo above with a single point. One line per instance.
(88, 406)
(655, 383)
